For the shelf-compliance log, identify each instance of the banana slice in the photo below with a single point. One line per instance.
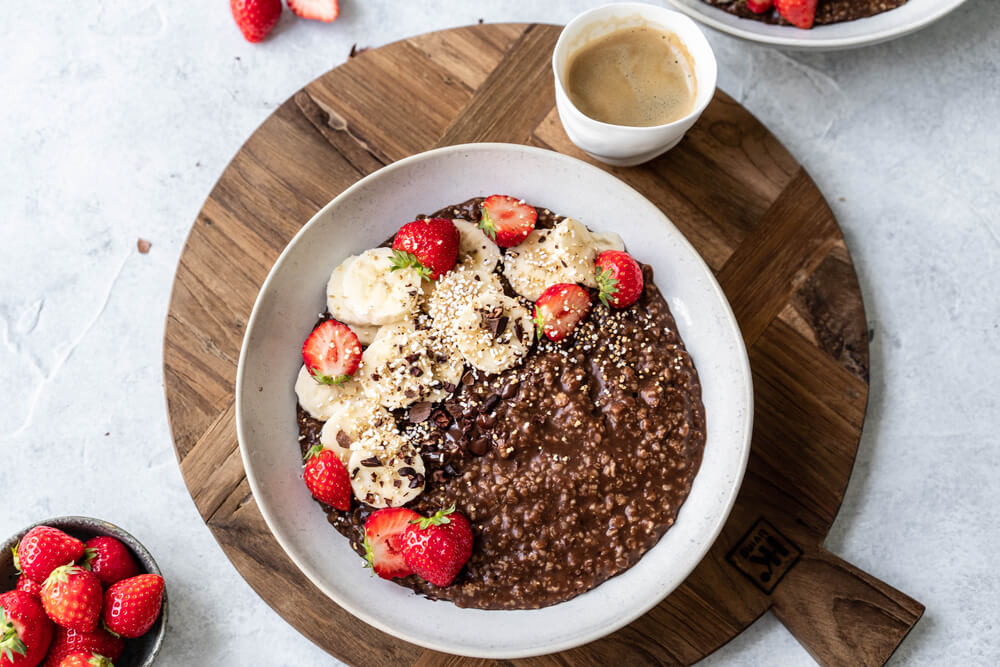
(493, 332)
(386, 479)
(563, 254)
(353, 420)
(404, 365)
(475, 249)
(321, 400)
(365, 332)
(365, 290)
(456, 289)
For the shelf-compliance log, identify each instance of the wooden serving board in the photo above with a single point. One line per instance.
(744, 202)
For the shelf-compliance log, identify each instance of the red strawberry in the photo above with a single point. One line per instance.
(799, 13)
(27, 585)
(318, 10)
(43, 549)
(85, 659)
(759, 6)
(383, 541)
(109, 559)
(431, 245)
(25, 630)
(506, 220)
(72, 598)
(327, 478)
(332, 352)
(132, 606)
(255, 18)
(559, 309)
(67, 641)
(438, 546)
(619, 279)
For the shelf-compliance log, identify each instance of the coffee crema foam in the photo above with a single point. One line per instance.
(639, 77)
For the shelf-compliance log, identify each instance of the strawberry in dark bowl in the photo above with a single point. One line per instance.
(68, 566)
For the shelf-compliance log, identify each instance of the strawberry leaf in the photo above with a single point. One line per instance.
(487, 225)
(404, 260)
(315, 450)
(439, 518)
(10, 641)
(607, 286)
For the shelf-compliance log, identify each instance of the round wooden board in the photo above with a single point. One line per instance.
(744, 202)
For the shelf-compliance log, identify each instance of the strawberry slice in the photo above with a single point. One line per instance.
(332, 352)
(507, 220)
(383, 541)
(759, 6)
(559, 309)
(317, 10)
(800, 13)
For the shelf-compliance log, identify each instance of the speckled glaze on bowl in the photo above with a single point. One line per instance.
(362, 217)
(139, 652)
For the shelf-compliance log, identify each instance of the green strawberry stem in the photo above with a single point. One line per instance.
(403, 260)
(10, 641)
(313, 451)
(328, 379)
(17, 560)
(487, 225)
(439, 518)
(539, 324)
(369, 556)
(110, 631)
(607, 285)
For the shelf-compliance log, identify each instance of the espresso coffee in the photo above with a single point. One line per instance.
(634, 76)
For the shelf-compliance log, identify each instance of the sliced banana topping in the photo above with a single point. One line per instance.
(493, 332)
(365, 290)
(388, 477)
(563, 254)
(475, 249)
(456, 289)
(352, 421)
(365, 332)
(321, 400)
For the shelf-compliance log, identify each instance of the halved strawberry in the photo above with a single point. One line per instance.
(800, 13)
(327, 478)
(318, 10)
(759, 6)
(507, 220)
(619, 278)
(430, 245)
(332, 352)
(383, 541)
(559, 309)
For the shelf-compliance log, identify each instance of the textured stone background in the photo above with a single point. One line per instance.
(116, 117)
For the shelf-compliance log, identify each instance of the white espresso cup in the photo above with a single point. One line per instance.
(623, 145)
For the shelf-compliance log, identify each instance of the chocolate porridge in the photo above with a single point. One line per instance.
(569, 466)
(827, 11)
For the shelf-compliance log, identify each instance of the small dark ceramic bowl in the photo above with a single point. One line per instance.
(139, 652)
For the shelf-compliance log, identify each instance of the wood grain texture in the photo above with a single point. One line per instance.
(730, 187)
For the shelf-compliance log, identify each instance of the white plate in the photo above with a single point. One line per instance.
(362, 217)
(894, 23)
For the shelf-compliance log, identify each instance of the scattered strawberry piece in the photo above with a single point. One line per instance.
(27, 585)
(436, 547)
(383, 541)
(132, 606)
(72, 598)
(85, 659)
(759, 6)
(327, 478)
(43, 549)
(109, 559)
(507, 220)
(559, 309)
(800, 13)
(67, 641)
(619, 279)
(25, 630)
(256, 18)
(430, 245)
(317, 10)
(332, 352)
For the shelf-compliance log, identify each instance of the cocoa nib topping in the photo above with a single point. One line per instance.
(479, 446)
(371, 462)
(468, 378)
(448, 386)
(509, 390)
(343, 439)
(416, 371)
(454, 409)
(407, 471)
(440, 419)
(490, 403)
(416, 480)
(420, 412)
(412, 357)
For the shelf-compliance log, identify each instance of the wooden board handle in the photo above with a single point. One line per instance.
(841, 615)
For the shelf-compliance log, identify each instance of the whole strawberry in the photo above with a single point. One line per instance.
(436, 547)
(43, 549)
(109, 559)
(132, 606)
(430, 245)
(72, 598)
(85, 659)
(559, 309)
(28, 585)
(67, 641)
(255, 18)
(507, 220)
(800, 13)
(619, 279)
(25, 630)
(327, 478)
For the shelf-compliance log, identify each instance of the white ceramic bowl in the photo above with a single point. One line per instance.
(622, 145)
(362, 217)
(912, 16)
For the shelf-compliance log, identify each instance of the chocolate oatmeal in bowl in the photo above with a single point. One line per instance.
(496, 408)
